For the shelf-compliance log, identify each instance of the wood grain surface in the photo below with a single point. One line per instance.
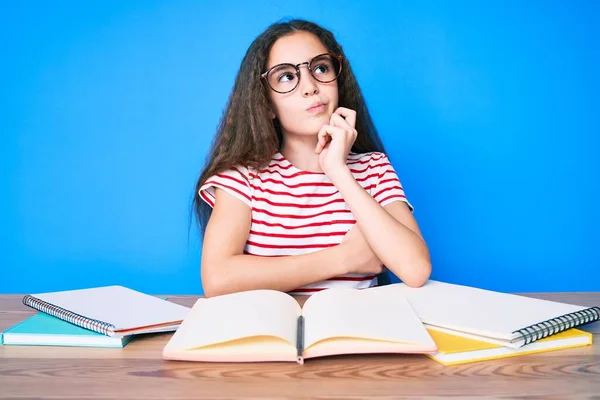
(138, 372)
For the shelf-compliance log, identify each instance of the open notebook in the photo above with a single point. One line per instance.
(268, 325)
(111, 310)
(494, 317)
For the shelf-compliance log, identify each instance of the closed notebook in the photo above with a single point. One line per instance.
(45, 330)
(111, 310)
(454, 350)
(268, 325)
(494, 317)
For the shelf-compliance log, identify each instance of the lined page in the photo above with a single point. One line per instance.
(477, 311)
(372, 313)
(238, 315)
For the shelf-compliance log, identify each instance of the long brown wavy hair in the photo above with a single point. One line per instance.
(247, 135)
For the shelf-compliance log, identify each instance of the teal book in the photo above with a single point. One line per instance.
(45, 330)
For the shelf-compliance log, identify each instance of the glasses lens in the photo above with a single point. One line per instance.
(283, 78)
(325, 68)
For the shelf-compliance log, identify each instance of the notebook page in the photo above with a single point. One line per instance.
(238, 315)
(369, 314)
(478, 311)
(123, 307)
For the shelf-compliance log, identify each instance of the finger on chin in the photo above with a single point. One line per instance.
(349, 116)
(341, 122)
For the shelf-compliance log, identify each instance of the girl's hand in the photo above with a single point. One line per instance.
(359, 257)
(335, 140)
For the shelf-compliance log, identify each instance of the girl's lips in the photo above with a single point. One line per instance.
(317, 109)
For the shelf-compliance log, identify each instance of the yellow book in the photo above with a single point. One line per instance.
(453, 350)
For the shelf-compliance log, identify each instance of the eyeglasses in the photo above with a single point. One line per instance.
(284, 78)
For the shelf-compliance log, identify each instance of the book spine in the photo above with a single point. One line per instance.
(69, 316)
(555, 325)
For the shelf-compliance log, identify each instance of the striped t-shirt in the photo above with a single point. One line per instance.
(297, 212)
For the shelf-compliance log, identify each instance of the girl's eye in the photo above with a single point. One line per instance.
(321, 69)
(286, 77)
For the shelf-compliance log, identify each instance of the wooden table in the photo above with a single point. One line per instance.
(138, 372)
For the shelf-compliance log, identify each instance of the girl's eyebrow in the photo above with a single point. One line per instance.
(291, 63)
(281, 65)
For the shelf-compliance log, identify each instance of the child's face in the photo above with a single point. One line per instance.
(293, 109)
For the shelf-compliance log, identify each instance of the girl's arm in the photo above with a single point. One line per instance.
(225, 269)
(392, 232)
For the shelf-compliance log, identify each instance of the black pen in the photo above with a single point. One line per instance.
(300, 340)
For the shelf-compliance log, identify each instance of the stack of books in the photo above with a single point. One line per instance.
(108, 316)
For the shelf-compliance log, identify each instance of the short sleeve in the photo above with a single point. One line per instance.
(234, 181)
(388, 187)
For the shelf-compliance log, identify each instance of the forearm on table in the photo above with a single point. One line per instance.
(248, 272)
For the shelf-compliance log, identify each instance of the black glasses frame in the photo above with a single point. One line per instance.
(339, 57)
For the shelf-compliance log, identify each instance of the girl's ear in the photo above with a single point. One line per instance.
(271, 112)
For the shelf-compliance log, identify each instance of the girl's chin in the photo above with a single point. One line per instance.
(309, 128)
(304, 134)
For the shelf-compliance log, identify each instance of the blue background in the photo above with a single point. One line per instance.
(489, 111)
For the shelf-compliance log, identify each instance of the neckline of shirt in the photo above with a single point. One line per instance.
(294, 169)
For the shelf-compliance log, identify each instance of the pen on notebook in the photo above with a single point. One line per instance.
(300, 339)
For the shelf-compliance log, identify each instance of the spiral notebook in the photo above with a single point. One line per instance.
(505, 319)
(111, 310)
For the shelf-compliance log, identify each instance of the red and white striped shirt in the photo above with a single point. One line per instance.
(297, 212)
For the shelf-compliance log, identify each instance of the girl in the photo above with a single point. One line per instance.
(298, 194)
